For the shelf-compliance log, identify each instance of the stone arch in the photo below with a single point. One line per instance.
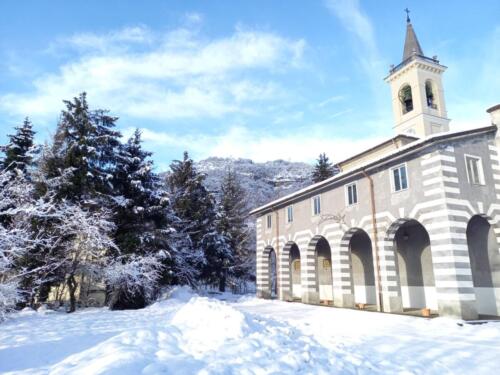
(290, 269)
(266, 273)
(410, 243)
(406, 98)
(485, 263)
(321, 253)
(360, 248)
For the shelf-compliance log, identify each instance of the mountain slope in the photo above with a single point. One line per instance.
(262, 182)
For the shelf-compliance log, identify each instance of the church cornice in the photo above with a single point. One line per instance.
(421, 62)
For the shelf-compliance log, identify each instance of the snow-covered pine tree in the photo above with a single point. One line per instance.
(85, 145)
(144, 229)
(233, 211)
(19, 151)
(323, 169)
(195, 206)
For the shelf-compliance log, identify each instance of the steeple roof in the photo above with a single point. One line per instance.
(412, 46)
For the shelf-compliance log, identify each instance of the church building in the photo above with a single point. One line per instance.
(411, 225)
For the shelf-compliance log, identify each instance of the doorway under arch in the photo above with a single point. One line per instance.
(295, 273)
(323, 268)
(363, 273)
(485, 265)
(415, 268)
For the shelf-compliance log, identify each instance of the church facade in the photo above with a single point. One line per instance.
(412, 224)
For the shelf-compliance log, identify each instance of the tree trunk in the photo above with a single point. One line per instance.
(72, 291)
(222, 283)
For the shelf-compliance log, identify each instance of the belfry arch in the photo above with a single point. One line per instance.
(431, 95)
(406, 98)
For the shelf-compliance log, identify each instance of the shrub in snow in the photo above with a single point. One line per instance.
(9, 296)
(132, 281)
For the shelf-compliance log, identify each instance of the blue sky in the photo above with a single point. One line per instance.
(255, 79)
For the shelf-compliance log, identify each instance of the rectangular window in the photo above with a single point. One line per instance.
(269, 221)
(399, 178)
(289, 214)
(352, 194)
(474, 169)
(316, 205)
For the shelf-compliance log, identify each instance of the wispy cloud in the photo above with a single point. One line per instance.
(177, 74)
(353, 19)
(244, 142)
(357, 22)
(333, 99)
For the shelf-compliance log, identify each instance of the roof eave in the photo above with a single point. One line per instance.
(404, 150)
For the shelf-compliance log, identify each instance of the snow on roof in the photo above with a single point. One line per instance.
(381, 158)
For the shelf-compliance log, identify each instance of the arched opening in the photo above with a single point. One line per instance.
(363, 273)
(295, 273)
(485, 265)
(266, 273)
(324, 281)
(430, 94)
(415, 267)
(273, 277)
(406, 99)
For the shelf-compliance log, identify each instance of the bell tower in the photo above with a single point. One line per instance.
(417, 90)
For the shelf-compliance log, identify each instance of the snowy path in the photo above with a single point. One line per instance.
(196, 335)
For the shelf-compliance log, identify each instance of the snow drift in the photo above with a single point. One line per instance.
(190, 334)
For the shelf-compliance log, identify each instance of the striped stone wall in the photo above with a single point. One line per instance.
(443, 206)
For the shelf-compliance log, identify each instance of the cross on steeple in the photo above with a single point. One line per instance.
(407, 15)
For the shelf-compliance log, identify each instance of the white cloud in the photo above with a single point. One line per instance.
(241, 142)
(177, 74)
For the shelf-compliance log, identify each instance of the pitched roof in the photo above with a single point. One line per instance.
(412, 46)
(382, 160)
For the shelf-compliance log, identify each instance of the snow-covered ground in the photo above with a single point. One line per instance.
(190, 334)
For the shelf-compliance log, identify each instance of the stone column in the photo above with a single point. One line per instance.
(263, 274)
(310, 292)
(390, 287)
(343, 289)
(284, 280)
(452, 271)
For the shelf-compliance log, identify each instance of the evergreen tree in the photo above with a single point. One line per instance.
(19, 151)
(76, 170)
(195, 206)
(323, 169)
(233, 213)
(143, 217)
(84, 147)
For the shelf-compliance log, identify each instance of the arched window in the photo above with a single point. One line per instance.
(430, 94)
(406, 98)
